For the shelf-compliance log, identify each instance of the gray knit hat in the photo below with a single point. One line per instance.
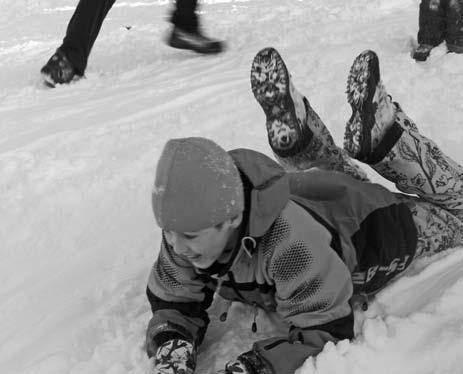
(197, 186)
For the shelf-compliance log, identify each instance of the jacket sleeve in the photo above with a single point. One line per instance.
(312, 290)
(179, 298)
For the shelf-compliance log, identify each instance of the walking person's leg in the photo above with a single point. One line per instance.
(71, 57)
(296, 134)
(432, 24)
(184, 15)
(82, 31)
(396, 150)
(187, 33)
(454, 26)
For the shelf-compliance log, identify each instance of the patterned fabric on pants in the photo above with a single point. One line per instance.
(417, 166)
(432, 184)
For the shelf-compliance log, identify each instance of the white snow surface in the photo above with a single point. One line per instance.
(77, 235)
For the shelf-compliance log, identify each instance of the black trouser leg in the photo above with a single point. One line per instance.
(184, 15)
(82, 31)
(432, 23)
(454, 33)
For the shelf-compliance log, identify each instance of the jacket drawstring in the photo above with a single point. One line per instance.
(364, 298)
(254, 323)
(245, 248)
(248, 252)
(223, 316)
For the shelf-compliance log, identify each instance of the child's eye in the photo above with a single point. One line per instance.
(189, 236)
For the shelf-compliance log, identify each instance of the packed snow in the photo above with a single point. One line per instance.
(77, 235)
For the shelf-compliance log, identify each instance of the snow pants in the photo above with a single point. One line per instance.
(85, 24)
(431, 182)
(433, 187)
(441, 20)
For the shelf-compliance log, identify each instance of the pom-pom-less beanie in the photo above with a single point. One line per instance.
(197, 186)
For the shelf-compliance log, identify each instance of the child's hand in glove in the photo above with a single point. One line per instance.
(175, 356)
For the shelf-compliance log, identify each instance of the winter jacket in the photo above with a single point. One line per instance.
(310, 240)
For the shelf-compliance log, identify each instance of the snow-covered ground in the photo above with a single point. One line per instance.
(77, 235)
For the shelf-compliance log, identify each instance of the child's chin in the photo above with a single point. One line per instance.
(202, 264)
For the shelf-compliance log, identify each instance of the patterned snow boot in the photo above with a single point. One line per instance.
(296, 134)
(284, 107)
(369, 130)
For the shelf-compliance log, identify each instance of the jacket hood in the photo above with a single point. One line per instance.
(266, 187)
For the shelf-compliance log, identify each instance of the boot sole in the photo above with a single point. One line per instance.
(213, 48)
(361, 85)
(270, 84)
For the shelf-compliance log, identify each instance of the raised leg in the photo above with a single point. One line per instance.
(394, 147)
(417, 166)
(296, 134)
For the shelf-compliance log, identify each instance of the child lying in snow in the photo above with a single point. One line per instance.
(288, 239)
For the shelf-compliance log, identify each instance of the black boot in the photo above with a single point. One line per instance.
(422, 52)
(58, 70)
(194, 41)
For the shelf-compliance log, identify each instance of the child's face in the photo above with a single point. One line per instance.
(201, 248)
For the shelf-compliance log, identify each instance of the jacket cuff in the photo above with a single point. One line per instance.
(254, 363)
(158, 333)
